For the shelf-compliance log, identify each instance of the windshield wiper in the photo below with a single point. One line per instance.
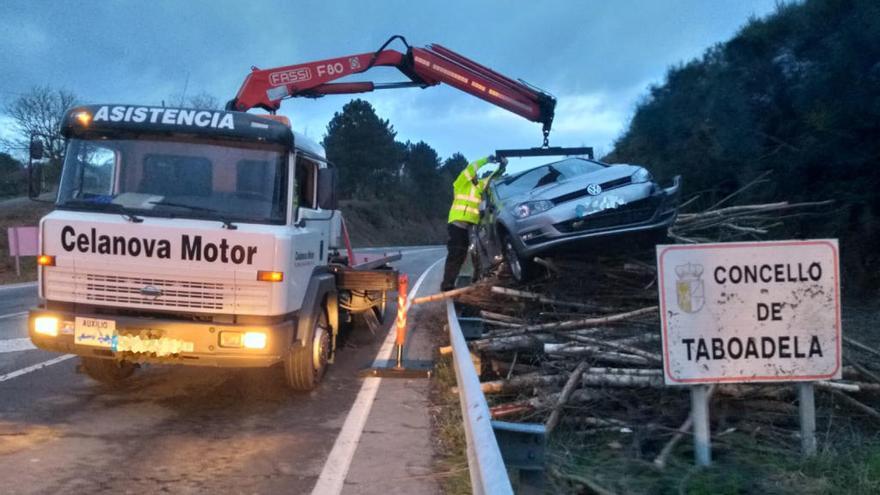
(102, 207)
(227, 224)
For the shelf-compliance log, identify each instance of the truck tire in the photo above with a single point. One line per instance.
(521, 268)
(305, 365)
(108, 371)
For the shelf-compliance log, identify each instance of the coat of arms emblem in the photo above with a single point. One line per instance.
(689, 287)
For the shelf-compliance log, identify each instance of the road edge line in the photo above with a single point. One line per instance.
(18, 344)
(13, 315)
(17, 286)
(35, 367)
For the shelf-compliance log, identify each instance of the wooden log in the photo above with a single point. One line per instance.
(489, 315)
(540, 402)
(660, 460)
(870, 411)
(504, 368)
(596, 377)
(587, 322)
(596, 352)
(847, 387)
(440, 296)
(569, 387)
(593, 421)
(591, 485)
(639, 339)
(863, 371)
(540, 298)
(620, 347)
(521, 382)
(498, 323)
(757, 180)
(859, 345)
(533, 342)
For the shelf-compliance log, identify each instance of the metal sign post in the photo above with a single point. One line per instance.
(17, 250)
(700, 413)
(807, 409)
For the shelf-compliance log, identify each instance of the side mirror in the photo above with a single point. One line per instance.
(35, 180)
(327, 199)
(36, 149)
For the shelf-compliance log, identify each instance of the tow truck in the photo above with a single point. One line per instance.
(213, 237)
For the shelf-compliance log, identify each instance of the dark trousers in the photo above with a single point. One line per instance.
(456, 253)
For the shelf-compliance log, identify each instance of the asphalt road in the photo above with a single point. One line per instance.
(169, 429)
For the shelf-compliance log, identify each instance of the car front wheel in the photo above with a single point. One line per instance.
(522, 269)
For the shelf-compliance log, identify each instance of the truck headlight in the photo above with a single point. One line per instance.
(529, 208)
(254, 340)
(46, 325)
(641, 175)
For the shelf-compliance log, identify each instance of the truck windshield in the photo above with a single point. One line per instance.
(228, 181)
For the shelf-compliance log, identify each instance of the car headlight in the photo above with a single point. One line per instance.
(641, 175)
(529, 208)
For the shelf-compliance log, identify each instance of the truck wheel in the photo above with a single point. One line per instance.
(305, 365)
(522, 269)
(107, 371)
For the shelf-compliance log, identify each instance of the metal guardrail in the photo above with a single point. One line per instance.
(487, 469)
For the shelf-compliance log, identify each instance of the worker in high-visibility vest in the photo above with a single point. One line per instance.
(465, 212)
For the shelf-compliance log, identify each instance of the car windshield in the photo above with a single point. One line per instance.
(229, 181)
(546, 174)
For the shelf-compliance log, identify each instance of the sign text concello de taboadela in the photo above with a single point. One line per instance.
(745, 312)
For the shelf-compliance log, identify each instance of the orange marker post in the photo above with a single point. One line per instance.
(402, 287)
(398, 369)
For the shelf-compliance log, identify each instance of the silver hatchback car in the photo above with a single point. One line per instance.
(562, 206)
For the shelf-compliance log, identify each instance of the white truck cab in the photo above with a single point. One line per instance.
(195, 237)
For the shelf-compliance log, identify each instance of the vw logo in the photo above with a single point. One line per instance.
(594, 189)
(151, 291)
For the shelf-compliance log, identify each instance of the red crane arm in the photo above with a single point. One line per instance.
(428, 66)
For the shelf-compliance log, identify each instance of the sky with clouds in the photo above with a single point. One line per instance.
(597, 57)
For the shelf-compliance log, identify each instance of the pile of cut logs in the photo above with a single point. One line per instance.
(580, 349)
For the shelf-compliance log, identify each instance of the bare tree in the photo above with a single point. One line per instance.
(37, 115)
(202, 100)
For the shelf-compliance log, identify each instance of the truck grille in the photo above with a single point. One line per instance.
(580, 193)
(175, 293)
(99, 287)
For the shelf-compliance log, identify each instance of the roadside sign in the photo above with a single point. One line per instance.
(750, 312)
(23, 241)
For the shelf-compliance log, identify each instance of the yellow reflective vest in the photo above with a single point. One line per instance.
(468, 192)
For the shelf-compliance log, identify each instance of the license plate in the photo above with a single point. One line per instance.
(595, 205)
(94, 332)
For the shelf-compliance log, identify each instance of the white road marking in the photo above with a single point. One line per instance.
(36, 367)
(422, 250)
(13, 315)
(332, 477)
(16, 345)
(17, 286)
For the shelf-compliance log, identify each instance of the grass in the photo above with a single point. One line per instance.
(18, 212)
(848, 463)
(451, 445)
